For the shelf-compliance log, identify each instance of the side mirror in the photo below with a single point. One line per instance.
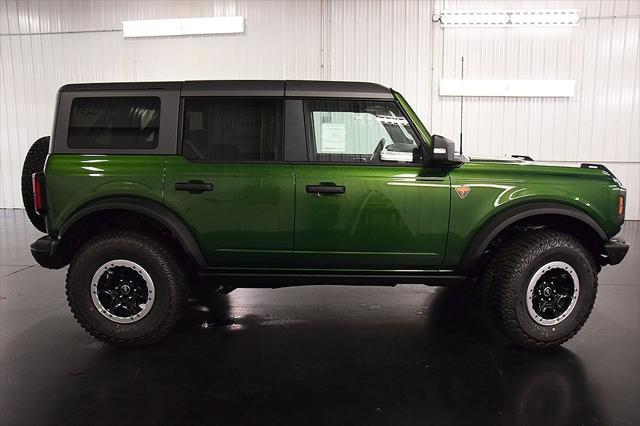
(444, 150)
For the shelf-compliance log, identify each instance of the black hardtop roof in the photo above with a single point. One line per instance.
(289, 88)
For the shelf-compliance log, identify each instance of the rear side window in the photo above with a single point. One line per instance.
(114, 123)
(219, 129)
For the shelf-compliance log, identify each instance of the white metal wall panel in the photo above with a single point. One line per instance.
(383, 41)
(393, 42)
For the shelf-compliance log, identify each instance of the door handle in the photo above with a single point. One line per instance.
(194, 186)
(325, 188)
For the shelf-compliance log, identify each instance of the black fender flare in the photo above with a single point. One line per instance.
(500, 221)
(147, 207)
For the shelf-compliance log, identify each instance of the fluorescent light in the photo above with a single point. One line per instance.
(473, 18)
(510, 18)
(509, 88)
(180, 27)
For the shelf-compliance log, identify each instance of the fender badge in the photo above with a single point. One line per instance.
(463, 191)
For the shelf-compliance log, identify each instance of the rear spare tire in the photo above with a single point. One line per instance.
(33, 163)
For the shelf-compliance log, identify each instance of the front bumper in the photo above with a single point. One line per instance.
(614, 251)
(48, 253)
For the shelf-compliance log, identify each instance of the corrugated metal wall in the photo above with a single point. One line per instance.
(601, 124)
(46, 44)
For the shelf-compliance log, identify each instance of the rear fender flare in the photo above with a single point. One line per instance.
(146, 207)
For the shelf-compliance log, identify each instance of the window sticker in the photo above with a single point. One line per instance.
(333, 138)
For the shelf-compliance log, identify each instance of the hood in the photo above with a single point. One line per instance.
(487, 159)
(530, 166)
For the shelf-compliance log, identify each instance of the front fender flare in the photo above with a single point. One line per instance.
(500, 221)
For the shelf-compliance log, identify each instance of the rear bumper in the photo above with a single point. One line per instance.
(614, 251)
(48, 253)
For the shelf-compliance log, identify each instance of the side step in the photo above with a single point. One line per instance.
(270, 279)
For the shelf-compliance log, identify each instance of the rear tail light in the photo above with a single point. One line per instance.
(620, 205)
(39, 200)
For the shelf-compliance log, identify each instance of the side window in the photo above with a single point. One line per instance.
(224, 129)
(348, 131)
(114, 123)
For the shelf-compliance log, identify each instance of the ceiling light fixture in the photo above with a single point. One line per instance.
(182, 27)
(510, 18)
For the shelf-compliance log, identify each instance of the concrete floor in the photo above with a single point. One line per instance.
(313, 355)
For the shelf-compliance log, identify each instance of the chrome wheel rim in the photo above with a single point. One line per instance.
(122, 291)
(552, 293)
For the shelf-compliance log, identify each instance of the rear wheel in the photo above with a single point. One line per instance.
(34, 163)
(543, 287)
(126, 289)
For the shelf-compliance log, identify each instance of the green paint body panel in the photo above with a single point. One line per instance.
(246, 221)
(390, 217)
(75, 180)
(498, 185)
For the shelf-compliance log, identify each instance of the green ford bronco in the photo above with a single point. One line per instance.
(147, 189)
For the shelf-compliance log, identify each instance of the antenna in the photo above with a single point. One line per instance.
(461, 107)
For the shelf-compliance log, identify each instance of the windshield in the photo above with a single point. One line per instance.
(426, 136)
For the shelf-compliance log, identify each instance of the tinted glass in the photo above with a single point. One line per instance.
(114, 123)
(218, 129)
(359, 131)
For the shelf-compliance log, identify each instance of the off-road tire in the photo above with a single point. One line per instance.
(33, 163)
(164, 268)
(509, 272)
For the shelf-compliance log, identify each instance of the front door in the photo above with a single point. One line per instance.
(230, 185)
(365, 200)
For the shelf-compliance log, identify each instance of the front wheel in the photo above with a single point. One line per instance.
(126, 288)
(543, 286)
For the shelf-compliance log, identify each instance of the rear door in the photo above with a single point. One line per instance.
(230, 185)
(364, 199)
